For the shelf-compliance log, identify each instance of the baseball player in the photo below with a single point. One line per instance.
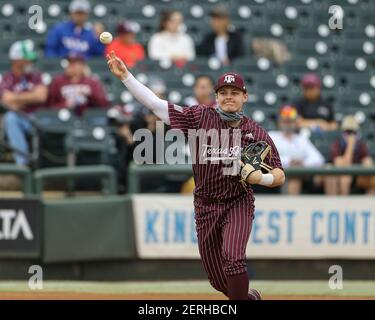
(224, 207)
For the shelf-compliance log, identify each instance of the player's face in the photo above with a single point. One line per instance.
(231, 99)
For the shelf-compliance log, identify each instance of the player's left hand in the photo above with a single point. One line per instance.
(252, 162)
(250, 174)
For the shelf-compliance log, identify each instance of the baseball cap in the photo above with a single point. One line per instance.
(288, 112)
(230, 79)
(220, 12)
(79, 6)
(125, 27)
(349, 123)
(310, 80)
(22, 50)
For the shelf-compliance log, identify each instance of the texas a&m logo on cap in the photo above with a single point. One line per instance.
(229, 78)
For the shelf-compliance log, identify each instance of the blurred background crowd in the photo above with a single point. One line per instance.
(310, 86)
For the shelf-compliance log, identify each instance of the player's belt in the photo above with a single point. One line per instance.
(207, 201)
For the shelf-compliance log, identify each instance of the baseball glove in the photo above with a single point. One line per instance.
(253, 157)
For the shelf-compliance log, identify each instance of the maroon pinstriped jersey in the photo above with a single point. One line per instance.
(210, 180)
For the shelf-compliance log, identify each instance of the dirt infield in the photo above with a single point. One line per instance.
(149, 296)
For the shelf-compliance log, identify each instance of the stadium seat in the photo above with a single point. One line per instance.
(311, 47)
(4, 63)
(318, 32)
(51, 65)
(362, 32)
(350, 64)
(323, 141)
(290, 16)
(90, 145)
(95, 117)
(52, 120)
(300, 65)
(358, 80)
(97, 65)
(357, 48)
(53, 127)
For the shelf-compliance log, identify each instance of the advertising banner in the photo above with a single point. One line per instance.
(20, 228)
(299, 227)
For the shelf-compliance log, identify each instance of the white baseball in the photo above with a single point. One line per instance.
(105, 37)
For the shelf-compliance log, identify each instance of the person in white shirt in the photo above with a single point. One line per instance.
(295, 149)
(171, 42)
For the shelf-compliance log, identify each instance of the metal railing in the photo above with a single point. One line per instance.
(153, 170)
(105, 173)
(23, 172)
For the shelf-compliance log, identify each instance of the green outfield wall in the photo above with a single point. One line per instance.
(150, 237)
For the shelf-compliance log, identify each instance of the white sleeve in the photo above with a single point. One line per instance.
(146, 97)
(313, 158)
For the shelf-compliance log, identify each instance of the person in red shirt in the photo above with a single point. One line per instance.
(75, 90)
(22, 92)
(125, 45)
(349, 149)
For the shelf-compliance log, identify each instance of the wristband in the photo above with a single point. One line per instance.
(124, 80)
(267, 179)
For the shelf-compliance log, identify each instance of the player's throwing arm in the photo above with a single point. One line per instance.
(144, 95)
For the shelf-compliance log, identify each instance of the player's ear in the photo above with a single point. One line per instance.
(245, 97)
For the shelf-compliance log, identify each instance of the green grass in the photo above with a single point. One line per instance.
(351, 288)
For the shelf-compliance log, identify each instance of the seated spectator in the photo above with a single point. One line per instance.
(203, 92)
(75, 90)
(316, 114)
(295, 149)
(347, 150)
(75, 35)
(125, 45)
(170, 42)
(223, 42)
(22, 92)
